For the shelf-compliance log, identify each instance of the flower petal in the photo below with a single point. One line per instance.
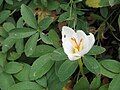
(89, 41)
(67, 33)
(82, 35)
(73, 57)
(67, 46)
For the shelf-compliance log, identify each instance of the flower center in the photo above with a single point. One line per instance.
(77, 46)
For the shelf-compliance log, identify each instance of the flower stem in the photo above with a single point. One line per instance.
(81, 66)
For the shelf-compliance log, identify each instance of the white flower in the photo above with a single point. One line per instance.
(76, 44)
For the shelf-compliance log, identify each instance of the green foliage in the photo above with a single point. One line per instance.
(23, 75)
(66, 70)
(31, 44)
(106, 72)
(6, 80)
(42, 81)
(104, 87)
(114, 85)
(111, 65)
(96, 50)
(13, 67)
(45, 23)
(31, 52)
(4, 15)
(41, 66)
(92, 64)
(7, 44)
(9, 2)
(21, 32)
(95, 83)
(41, 50)
(2, 59)
(82, 84)
(28, 16)
(8, 26)
(26, 85)
(57, 54)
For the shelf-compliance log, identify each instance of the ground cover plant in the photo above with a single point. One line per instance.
(60, 44)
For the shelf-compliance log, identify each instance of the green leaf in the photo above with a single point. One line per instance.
(4, 15)
(9, 2)
(79, 12)
(96, 50)
(1, 69)
(95, 84)
(63, 17)
(8, 26)
(13, 67)
(106, 72)
(44, 2)
(115, 83)
(53, 5)
(113, 2)
(6, 80)
(19, 45)
(77, 1)
(3, 33)
(1, 41)
(46, 39)
(111, 65)
(41, 50)
(23, 75)
(28, 16)
(50, 72)
(57, 66)
(104, 12)
(104, 87)
(1, 1)
(41, 66)
(2, 59)
(54, 83)
(54, 37)
(104, 3)
(20, 23)
(21, 32)
(97, 17)
(67, 69)
(82, 84)
(119, 21)
(45, 23)
(42, 81)
(65, 6)
(26, 85)
(91, 64)
(13, 56)
(58, 55)
(31, 44)
(7, 44)
(82, 25)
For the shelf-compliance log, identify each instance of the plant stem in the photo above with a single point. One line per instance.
(81, 66)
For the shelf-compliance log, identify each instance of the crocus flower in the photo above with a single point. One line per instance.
(76, 44)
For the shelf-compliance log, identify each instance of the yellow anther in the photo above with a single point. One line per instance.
(77, 46)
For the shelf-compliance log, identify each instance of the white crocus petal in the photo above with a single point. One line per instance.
(67, 34)
(76, 44)
(90, 40)
(73, 57)
(67, 47)
(82, 35)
